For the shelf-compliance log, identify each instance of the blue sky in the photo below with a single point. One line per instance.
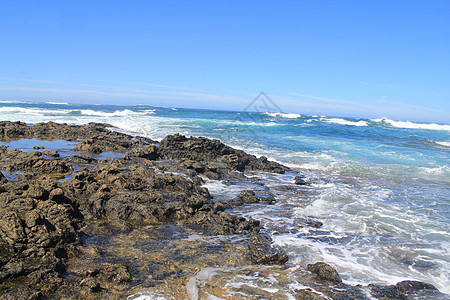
(347, 58)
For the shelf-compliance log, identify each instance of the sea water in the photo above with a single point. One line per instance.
(380, 187)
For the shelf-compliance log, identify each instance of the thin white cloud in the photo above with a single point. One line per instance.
(115, 87)
(139, 95)
(30, 80)
(153, 85)
(333, 100)
(393, 86)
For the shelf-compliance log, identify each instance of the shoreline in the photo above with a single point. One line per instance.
(59, 211)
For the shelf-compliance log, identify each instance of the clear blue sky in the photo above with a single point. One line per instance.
(348, 58)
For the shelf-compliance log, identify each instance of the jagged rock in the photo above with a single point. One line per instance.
(308, 222)
(386, 292)
(249, 196)
(324, 271)
(300, 180)
(16, 160)
(411, 286)
(51, 153)
(150, 153)
(261, 251)
(13, 130)
(3, 178)
(205, 150)
(36, 231)
(97, 137)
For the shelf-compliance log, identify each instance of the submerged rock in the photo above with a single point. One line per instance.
(300, 180)
(411, 286)
(249, 197)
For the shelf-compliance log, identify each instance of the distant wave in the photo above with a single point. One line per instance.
(412, 125)
(344, 121)
(57, 103)
(32, 111)
(117, 113)
(284, 115)
(11, 101)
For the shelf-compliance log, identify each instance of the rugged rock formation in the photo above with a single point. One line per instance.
(38, 228)
(205, 150)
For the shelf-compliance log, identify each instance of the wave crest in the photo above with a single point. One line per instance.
(284, 115)
(344, 121)
(412, 125)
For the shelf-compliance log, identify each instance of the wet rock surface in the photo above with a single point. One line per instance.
(205, 150)
(324, 271)
(81, 227)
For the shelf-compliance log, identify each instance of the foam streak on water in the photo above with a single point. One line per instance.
(380, 187)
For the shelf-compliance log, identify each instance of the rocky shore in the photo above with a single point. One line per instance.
(124, 214)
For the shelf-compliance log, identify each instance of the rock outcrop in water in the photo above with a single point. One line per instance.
(204, 150)
(80, 227)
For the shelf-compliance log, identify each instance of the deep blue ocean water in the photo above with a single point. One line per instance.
(381, 187)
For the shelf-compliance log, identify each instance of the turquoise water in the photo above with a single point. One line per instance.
(381, 187)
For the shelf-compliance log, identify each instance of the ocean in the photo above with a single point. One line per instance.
(380, 187)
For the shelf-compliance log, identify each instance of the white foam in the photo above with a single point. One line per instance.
(284, 115)
(192, 286)
(145, 296)
(413, 125)
(441, 170)
(344, 121)
(11, 101)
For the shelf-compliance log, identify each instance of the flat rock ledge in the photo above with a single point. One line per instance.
(80, 227)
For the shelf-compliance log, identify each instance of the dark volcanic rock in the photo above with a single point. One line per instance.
(3, 179)
(81, 159)
(261, 251)
(51, 153)
(13, 130)
(249, 197)
(386, 292)
(96, 138)
(300, 180)
(149, 152)
(411, 286)
(36, 230)
(402, 289)
(205, 150)
(16, 160)
(324, 271)
(142, 196)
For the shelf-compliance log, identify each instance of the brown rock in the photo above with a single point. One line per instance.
(325, 271)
